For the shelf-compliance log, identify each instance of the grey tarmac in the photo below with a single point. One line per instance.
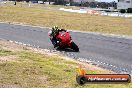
(114, 53)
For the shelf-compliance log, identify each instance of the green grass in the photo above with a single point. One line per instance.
(5, 52)
(41, 16)
(33, 70)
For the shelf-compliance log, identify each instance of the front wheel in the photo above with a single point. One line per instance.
(74, 47)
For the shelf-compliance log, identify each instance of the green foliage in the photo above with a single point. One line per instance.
(5, 52)
(129, 10)
(122, 11)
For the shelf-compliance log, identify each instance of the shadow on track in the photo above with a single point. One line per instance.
(66, 50)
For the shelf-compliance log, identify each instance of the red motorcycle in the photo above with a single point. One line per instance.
(65, 41)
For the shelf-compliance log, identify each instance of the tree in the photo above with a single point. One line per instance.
(44, 1)
(71, 1)
(27, 1)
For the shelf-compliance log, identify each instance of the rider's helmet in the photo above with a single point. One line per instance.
(55, 30)
(55, 27)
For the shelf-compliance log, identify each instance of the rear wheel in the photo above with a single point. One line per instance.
(74, 47)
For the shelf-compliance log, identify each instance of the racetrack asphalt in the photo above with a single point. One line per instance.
(109, 52)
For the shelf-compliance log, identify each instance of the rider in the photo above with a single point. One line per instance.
(53, 33)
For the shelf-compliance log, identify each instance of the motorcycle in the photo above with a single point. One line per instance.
(64, 41)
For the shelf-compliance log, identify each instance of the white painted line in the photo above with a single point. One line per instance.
(107, 64)
(114, 66)
(20, 43)
(16, 42)
(111, 65)
(10, 41)
(24, 44)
